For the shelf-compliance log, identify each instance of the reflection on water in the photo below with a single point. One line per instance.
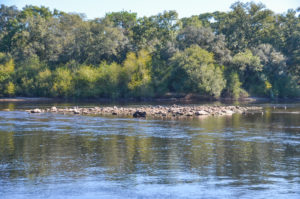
(65, 156)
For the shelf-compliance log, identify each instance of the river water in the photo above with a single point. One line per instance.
(71, 156)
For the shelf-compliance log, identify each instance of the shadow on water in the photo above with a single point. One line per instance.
(66, 156)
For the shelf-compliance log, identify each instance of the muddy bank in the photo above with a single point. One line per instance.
(152, 111)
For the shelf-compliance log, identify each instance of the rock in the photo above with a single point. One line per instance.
(53, 109)
(201, 113)
(189, 114)
(239, 111)
(156, 111)
(179, 113)
(139, 114)
(85, 112)
(76, 111)
(228, 112)
(36, 110)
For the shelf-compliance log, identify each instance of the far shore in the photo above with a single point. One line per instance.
(156, 99)
(26, 99)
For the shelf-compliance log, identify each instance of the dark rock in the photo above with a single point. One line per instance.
(139, 114)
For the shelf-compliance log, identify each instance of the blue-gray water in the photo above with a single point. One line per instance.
(71, 156)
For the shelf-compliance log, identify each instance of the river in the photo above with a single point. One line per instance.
(85, 157)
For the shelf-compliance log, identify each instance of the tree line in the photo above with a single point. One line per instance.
(249, 50)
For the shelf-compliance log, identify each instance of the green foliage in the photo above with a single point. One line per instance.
(286, 87)
(7, 69)
(245, 61)
(249, 68)
(46, 52)
(111, 82)
(44, 83)
(192, 21)
(206, 39)
(234, 89)
(160, 74)
(63, 84)
(85, 81)
(137, 70)
(36, 11)
(195, 71)
(26, 74)
(10, 89)
(106, 42)
(123, 19)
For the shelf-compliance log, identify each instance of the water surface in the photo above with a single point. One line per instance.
(71, 156)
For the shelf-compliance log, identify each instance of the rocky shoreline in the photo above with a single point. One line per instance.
(153, 111)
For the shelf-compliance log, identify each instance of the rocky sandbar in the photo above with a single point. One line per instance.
(153, 111)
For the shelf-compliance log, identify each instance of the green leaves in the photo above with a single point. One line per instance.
(137, 69)
(63, 84)
(234, 89)
(196, 71)
(122, 55)
(247, 61)
(7, 69)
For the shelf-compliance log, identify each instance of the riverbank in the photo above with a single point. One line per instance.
(152, 111)
(26, 99)
(168, 99)
(187, 98)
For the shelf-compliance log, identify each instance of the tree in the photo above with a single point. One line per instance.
(246, 25)
(278, 81)
(85, 82)
(44, 83)
(249, 69)
(112, 81)
(206, 39)
(137, 70)
(106, 42)
(154, 32)
(26, 75)
(122, 55)
(8, 24)
(234, 89)
(192, 21)
(125, 20)
(37, 36)
(289, 39)
(63, 84)
(75, 36)
(7, 68)
(195, 71)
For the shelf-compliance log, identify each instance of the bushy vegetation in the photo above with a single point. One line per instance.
(249, 50)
